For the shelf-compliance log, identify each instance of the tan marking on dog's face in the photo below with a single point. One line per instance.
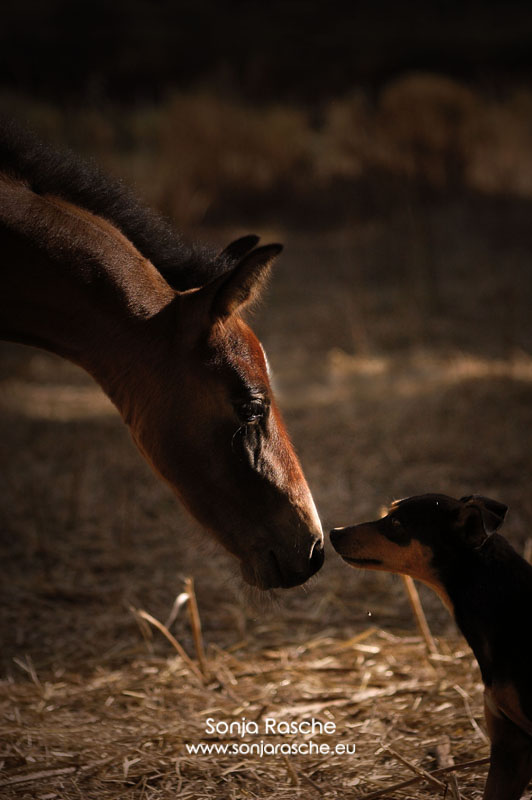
(366, 547)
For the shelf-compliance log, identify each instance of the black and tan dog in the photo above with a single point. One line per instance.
(452, 545)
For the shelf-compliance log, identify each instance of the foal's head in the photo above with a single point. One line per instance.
(219, 439)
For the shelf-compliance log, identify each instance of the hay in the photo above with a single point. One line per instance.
(123, 732)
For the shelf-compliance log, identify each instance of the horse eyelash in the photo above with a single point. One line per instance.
(235, 434)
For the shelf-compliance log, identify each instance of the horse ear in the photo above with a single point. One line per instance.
(238, 249)
(480, 517)
(244, 282)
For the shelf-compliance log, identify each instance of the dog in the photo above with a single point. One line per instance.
(453, 546)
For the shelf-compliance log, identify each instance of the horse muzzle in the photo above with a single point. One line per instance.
(274, 569)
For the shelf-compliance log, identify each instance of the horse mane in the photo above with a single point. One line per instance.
(64, 174)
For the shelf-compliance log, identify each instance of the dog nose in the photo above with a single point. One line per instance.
(335, 535)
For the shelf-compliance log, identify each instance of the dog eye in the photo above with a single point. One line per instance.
(252, 410)
(395, 532)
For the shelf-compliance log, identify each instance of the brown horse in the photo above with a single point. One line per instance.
(91, 275)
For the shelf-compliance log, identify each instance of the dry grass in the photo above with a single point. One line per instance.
(123, 733)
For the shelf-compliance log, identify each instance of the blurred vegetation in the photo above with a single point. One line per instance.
(203, 158)
(427, 185)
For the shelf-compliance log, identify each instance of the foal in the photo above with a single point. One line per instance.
(91, 275)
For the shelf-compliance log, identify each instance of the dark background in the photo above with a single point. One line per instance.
(289, 51)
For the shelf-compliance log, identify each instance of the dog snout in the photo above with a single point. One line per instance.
(337, 536)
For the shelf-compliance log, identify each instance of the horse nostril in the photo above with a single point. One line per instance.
(317, 556)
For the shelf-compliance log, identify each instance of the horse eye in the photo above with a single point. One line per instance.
(396, 523)
(252, 410)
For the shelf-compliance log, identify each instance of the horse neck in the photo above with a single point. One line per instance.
(74, 285)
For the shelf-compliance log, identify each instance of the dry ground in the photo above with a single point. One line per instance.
(401, 358)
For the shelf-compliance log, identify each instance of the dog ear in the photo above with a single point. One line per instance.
(493, 513)
(480, 517)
